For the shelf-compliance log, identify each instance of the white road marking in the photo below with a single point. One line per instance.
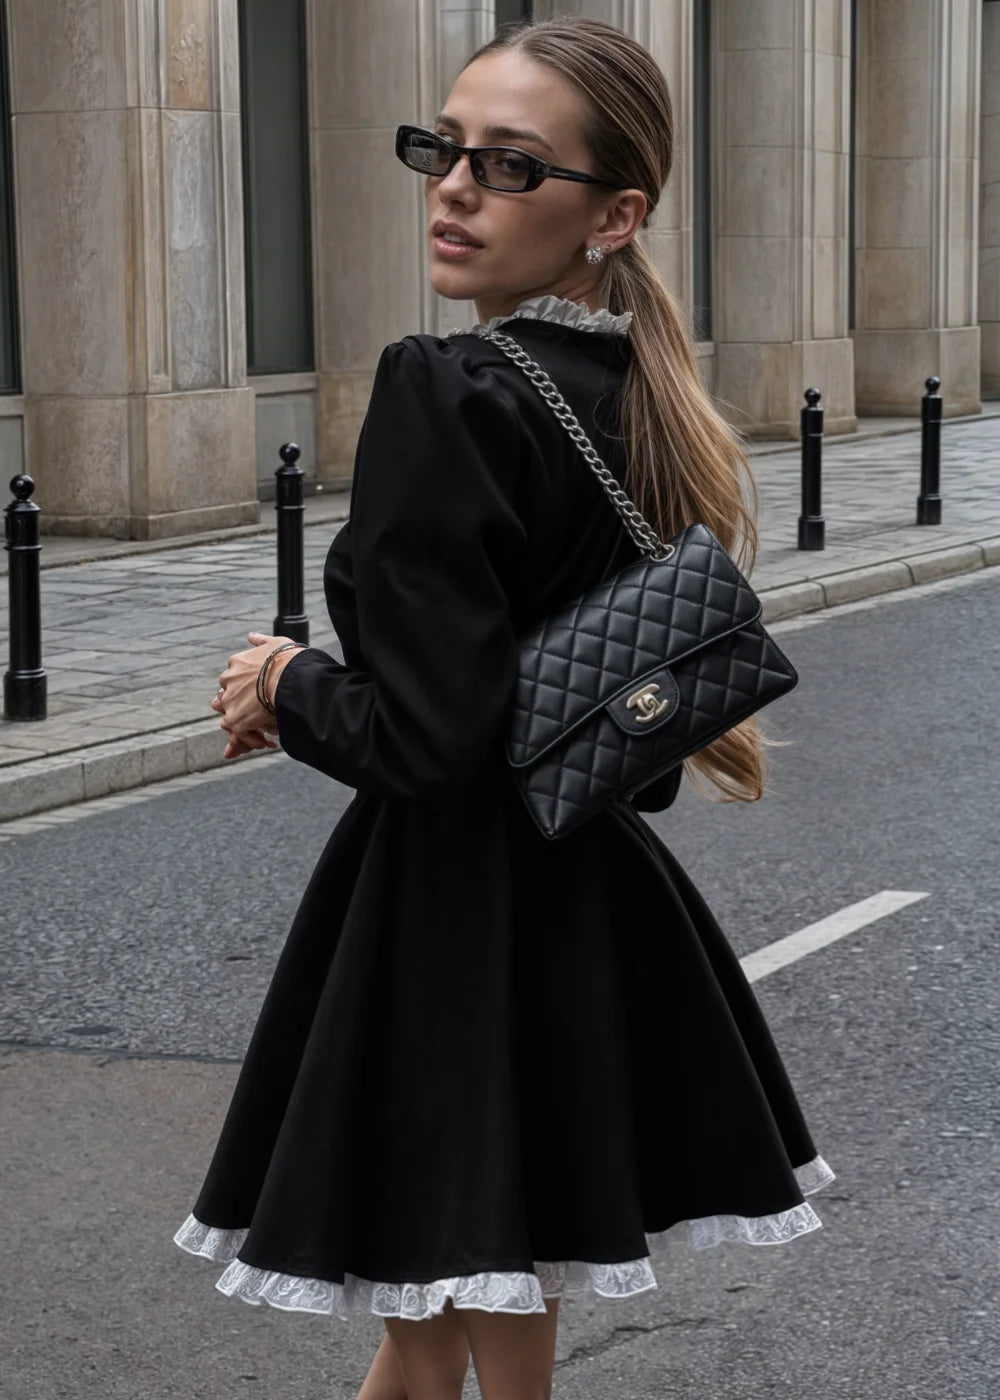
(819, 935)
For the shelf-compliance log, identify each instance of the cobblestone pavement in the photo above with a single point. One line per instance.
(133, 643)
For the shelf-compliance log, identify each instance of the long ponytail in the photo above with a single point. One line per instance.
(685, 465)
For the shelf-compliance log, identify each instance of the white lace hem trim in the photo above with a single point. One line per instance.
(493, 1292)
(576, 314)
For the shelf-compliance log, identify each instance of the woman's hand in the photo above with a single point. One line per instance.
(248, 725)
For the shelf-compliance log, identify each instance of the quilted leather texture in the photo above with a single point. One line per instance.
(626, 628)
(572, 759)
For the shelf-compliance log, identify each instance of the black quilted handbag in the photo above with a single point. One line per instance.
(644, 669)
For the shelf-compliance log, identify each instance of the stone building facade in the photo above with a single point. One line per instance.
(206, 240)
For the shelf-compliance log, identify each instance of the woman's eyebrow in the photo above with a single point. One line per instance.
(499, 133)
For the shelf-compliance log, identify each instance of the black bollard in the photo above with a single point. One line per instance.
(812, 526)
(929, 500)
(24, 684)
(291, 620)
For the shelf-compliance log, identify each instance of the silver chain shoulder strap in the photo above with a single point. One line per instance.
(643, 535)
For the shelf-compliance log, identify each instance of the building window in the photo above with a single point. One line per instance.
(10, 369)
(276, 186)
(701, 163)
(512, 11)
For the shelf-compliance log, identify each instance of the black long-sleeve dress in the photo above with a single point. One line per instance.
(489, 1066)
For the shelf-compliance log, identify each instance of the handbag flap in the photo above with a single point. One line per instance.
(618, 633)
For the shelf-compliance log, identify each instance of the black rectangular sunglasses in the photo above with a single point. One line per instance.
(504, 168)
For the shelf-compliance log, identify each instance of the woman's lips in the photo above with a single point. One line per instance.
(455, 252)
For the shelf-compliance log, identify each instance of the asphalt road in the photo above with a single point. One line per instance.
(137, 941)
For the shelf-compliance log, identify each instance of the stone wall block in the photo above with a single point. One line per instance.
(899, 102)
(752, 384)
(758, 92)
(668, 251)
(897, 201)
(67, 55)
(829, 365)
(829, 193)
(78, 449)
(990, 150)
(145, 78)
(964, 96)
(894, 286)
(960, 361)
(342, 402)
(199, 449)
(989, 287)
(667, 34)
(72, 212)
(189, 52)
(893, 365)
(902, 27)
(369, 221)
(193, 230)
(755, 299)
(991, 59)
(150, 367)
(829, 101)
(228, 55)
(757, 193)
(833, 34)
(828, 287)
(760, 24)
(989, 227)
(891, 368)
(365, 63)
(990, 351)
(285, 418)
(12, 460)
(234, 329)
(961, 280)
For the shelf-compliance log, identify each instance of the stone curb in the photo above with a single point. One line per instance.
(852, 585)
(40, 784)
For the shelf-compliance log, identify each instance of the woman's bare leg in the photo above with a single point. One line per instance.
(433, 1355)
(384, 1380)
(513, 1353)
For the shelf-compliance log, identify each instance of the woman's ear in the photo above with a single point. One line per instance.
(622, 219)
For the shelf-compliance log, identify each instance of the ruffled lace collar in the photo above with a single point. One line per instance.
(576, 314)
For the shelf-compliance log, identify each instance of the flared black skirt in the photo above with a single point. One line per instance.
(495, 1069)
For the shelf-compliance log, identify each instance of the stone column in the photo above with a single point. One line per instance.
(782, 224)
(918, 85)
(138, 420)
(989, 206)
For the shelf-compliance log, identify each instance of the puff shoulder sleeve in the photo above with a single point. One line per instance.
(435, 541)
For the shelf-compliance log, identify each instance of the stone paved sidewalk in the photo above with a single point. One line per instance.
(133, 642)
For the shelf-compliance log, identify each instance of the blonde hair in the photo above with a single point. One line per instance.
(685, 463)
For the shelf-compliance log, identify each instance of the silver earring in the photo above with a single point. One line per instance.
(595, 255)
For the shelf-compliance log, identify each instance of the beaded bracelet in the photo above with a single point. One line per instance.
(266, 704)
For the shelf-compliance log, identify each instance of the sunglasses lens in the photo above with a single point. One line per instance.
(503, 169)
(426, 153)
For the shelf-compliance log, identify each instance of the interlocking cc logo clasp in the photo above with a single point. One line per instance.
(646, 703)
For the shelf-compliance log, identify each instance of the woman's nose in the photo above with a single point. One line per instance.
(459, 183)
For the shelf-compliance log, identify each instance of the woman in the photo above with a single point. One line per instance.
(492, 1067)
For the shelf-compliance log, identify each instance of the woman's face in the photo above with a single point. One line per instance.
(526, 244)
